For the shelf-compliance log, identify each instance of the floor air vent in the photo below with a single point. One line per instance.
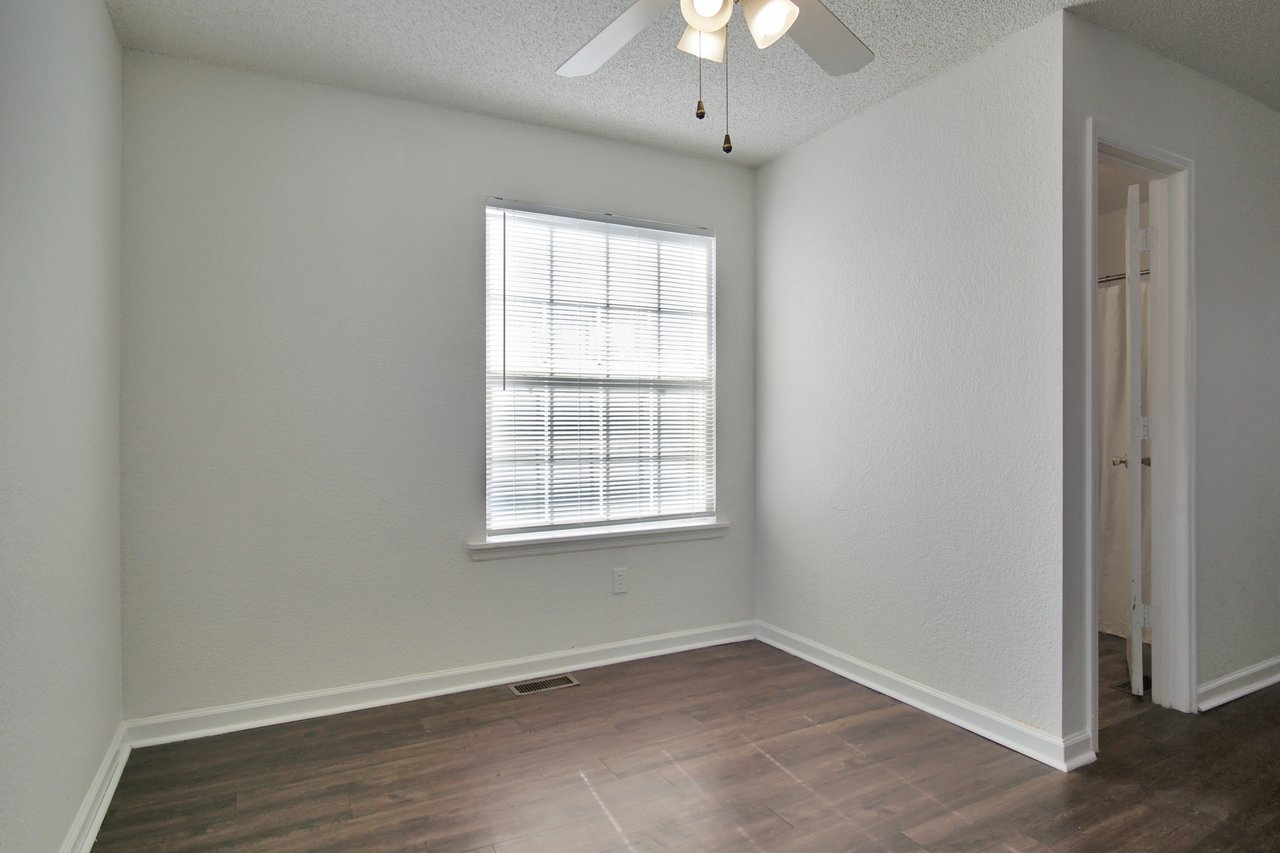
(542, 685)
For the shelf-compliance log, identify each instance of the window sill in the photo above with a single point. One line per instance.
(615, 536)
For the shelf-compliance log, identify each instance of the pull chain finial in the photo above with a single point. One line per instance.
(701, 110)
(728, 143)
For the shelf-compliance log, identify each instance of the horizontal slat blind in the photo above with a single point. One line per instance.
(600, 372)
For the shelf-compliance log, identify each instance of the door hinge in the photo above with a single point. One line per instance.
(1144, 426)
(1144, 238)
(1146, 616)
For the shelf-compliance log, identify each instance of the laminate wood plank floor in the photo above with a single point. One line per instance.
(1115, 702)
(732, 748)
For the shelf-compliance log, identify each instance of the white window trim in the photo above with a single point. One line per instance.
(613, 219)
(623, 533)
(507, 545)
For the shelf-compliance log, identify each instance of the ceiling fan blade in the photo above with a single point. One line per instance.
(825, 37)
(613, 38)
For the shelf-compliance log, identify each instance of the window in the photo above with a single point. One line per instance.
(600, 371)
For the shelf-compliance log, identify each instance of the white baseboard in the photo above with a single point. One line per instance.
(1077, 751)
(1060, 753)
(186, 725)
(1242, 682)
(84, 829)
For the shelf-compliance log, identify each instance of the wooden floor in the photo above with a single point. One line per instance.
(1115, 702)
(735, 748)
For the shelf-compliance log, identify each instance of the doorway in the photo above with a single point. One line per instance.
(1141, 624)
(1123, 354)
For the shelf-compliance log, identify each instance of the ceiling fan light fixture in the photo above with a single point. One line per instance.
(704, 45)
(768, 20)
(707, 16)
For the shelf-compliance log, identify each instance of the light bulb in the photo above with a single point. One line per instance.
(704, 45)
(768, 20)
(706, 15)
(772, 19)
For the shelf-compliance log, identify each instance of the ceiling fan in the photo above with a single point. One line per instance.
(809, 23)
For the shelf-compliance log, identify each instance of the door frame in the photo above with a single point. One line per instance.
(1173, 597)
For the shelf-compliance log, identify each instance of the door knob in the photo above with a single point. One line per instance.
(1120, 460)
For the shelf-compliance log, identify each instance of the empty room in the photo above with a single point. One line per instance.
(631, 425)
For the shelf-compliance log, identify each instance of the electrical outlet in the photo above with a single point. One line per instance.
(619, 581)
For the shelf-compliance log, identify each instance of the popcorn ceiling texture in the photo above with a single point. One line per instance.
(499, 58)
(1235, 42)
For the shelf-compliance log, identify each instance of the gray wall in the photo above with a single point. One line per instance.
(910, 383)
(1235, 143)
(304, 390)
(59, 411)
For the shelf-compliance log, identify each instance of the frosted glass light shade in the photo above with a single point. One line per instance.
(707, 45)
(769, 20)
(706, 15)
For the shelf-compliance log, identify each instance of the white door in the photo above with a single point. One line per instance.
(1162, 491)
(1135, 239)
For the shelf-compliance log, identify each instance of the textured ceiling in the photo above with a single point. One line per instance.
(498, 57)
(1234, 41)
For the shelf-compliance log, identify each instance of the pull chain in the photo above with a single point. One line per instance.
(701, 111)
(728, 143)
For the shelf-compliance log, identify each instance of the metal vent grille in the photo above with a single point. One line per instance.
(542, 685)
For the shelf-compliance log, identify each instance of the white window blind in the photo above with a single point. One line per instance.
(600, 371)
